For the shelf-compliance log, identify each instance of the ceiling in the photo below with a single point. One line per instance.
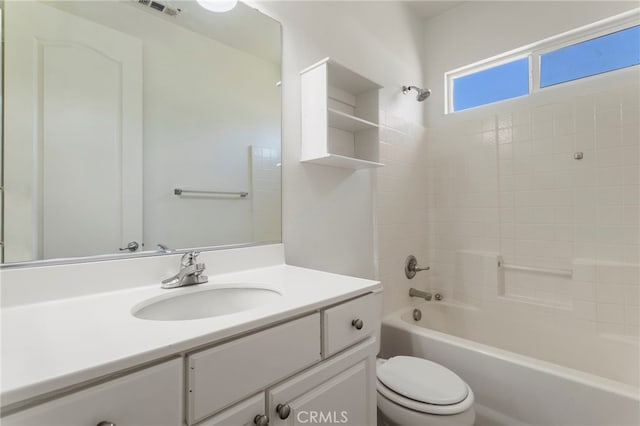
(426, 9)
(243, 28)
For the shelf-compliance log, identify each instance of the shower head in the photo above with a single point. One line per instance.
(422, 93)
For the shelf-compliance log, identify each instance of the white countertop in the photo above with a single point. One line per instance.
(54, 344)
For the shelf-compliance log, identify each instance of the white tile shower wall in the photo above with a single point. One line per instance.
(401, 207)
(265, 193)
(509, 185)
(464, 219)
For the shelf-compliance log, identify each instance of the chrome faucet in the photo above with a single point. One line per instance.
(421, 294)
(190, 272)
(164, 249)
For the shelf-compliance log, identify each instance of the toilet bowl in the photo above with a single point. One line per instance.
(416, 392)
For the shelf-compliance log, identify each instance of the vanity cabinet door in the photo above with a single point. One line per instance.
(151, 397)
(339, 391)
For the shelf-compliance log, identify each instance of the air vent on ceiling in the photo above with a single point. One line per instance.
(159, 7)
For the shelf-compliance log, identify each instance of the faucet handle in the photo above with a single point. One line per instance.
(189, 258)
(411, 267)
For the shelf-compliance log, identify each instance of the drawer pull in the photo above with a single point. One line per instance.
(261, 420)
(283, 410)
(357, 323)
(106, 423)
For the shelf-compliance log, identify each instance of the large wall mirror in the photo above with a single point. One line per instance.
(129, 124)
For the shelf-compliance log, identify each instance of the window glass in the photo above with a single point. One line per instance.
(490, 85)
(606, 53)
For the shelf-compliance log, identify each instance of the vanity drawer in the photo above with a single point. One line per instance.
(342, 322)
(150, 397)
(244, 413)
(225, 374)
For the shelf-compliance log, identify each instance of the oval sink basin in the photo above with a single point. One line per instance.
(204, 303)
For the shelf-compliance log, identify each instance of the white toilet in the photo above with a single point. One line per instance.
(417, 392)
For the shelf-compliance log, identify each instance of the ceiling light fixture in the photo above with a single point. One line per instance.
(218, 5)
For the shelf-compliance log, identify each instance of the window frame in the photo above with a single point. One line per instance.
(534, 52)
(482, 66)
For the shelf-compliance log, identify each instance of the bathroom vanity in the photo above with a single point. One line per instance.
(84, 358)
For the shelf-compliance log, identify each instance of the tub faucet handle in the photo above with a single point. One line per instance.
(411, 267)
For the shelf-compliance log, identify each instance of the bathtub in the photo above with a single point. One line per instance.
(511, 388)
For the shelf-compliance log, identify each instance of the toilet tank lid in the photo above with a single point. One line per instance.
(422, 380)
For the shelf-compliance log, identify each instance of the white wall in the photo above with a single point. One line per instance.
(328, 217)
(502, 180)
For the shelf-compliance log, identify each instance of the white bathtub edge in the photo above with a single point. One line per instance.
(395, 320)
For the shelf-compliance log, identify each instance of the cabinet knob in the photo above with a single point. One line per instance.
(261, 420)
(132, 246)
(106, 423)
(357, 323)
(283, 410)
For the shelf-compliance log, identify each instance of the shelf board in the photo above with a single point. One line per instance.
(344, 162)
(350, 123)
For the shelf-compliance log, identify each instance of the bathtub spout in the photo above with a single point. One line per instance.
(419, 293)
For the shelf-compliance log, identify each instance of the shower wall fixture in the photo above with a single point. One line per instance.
(422, 93)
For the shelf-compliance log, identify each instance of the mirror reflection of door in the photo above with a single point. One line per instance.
(73, 131)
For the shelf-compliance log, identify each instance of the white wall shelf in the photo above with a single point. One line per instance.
(350, 123)
(343, 161)
(340, 125)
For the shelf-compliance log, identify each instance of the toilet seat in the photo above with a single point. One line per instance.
(422, 380)
(402, 381)
(442, 410)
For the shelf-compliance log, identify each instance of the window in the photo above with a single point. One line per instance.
(494, 84)
(605, 46)
(596, 56)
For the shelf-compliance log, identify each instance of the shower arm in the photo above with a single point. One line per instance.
(406, 89)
